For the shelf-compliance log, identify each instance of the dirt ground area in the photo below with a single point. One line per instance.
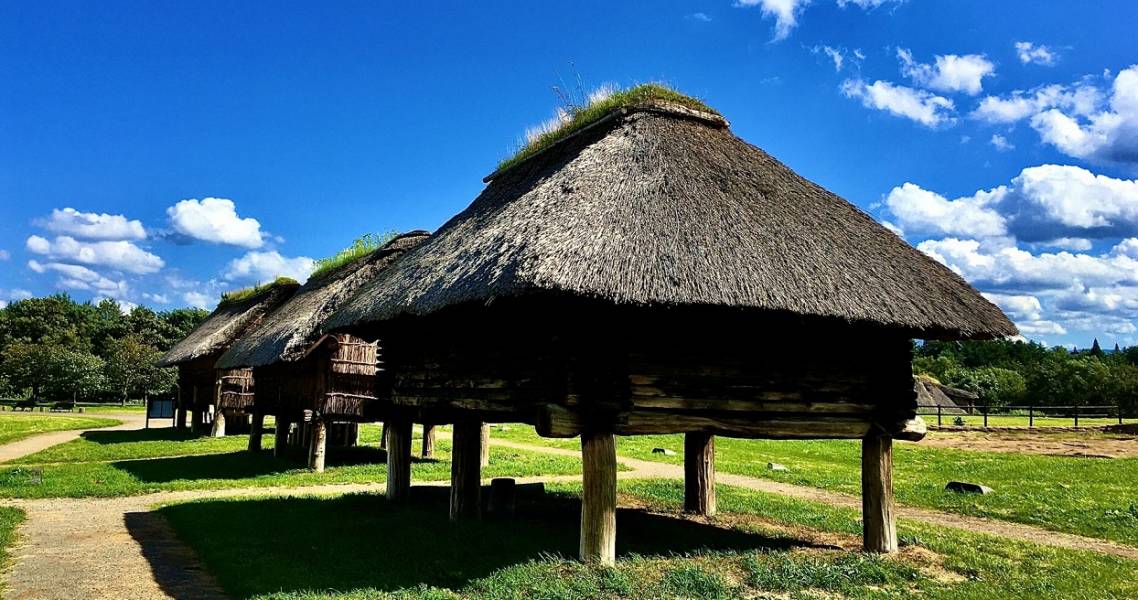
(1086, 444)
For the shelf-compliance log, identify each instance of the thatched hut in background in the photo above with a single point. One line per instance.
(204, 391)
(323, 384)
(645, 271)
(936, 397)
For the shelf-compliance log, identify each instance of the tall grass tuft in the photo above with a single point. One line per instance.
(249, 292)
(362, 246)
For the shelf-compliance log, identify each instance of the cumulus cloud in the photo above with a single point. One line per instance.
(867, 4)
(197, 300)
(92, 226)
(1020, 307)
(267, 266)
(1080, 99)
(923, 212)
(784, 12)
(118, 255)
(1030, 53)
(215, 220)
(77, 277)
(921, 106)
(949, 73)
(1001, 143)
(156, 298)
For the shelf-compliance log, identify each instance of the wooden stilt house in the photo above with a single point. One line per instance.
(207, 394)
(649, 272)
(324, 385)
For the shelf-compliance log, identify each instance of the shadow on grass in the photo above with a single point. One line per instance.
(240, 465)
(258, 546)
(164, 434)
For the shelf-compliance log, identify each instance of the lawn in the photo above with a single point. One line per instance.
(360, 546)
(15, 426)
(10, 518)
(121, 464)
(1088, 496)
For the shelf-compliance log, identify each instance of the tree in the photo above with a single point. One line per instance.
(1096, 350)
(25, 367)
(72, 374)
(130, 368)
(994, 385)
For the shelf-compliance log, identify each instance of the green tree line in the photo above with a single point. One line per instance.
(1005, 372)
(55, 349)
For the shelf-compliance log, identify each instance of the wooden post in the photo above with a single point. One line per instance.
(196, 417)
(280, 437)
(180, 416)
(428, 440)
(484, 448)
(218, 423)
(383, 437)
(319, 442)
(465, 471)
(399, 459)
(879, 522)
(699, 473)
(256, 430)
(598, 498)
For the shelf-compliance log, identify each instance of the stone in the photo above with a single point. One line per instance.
(963, 487)
(663, 451)
(777, 467)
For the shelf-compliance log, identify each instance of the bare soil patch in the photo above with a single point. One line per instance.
(1090, 444)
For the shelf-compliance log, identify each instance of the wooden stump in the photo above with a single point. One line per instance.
(218, 424)
(465, 471)
(428, 440)
(399, 460)
(503, 497)
(699, 473)
(484, 449)
(256, 430)
(319, 442)
(598, 498)
(280, 437)
(879, 522)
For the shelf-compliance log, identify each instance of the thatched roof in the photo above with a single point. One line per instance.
(289, 332)
(235, 315)
(661, 205)
(931, 395)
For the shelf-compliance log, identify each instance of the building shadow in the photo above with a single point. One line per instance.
(354, 542)
(172, 564)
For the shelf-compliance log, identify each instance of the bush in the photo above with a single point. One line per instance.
(995, 386)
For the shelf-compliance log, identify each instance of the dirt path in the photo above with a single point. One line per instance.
(43, 441)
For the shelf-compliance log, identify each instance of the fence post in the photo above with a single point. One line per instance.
(938, 424)
(1118, 408)
(985, 417)
(1076, 415)
(1030, 417)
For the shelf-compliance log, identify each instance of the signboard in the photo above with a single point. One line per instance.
(160, 409)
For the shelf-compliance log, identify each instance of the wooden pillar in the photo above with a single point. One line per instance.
(465, 471)
(280, 437)
(699, 473)
(428, 440)
(399, 459)
(180, 417)
(484, 448)
(879, 522)
(255, 431)
(218, 423)
(598, 498)
(318, 445)
(196, 417)
(383, 436)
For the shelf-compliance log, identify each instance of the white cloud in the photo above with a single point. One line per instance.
(698, 16)
(867, 4)
(92, 226)
(921, 106)
(215, 220)
(5, 255)
(120, 255)
(267, 266)
(124, 306)
(197, 300)
(1080, 99)
(836, 55)
(157, 298)
(1018, 306)
(923, 212)
(1001, 143)
(784, 12)
(1040, 327)
(1035, 54)
(950, 73)
(19, 294)
(77, 277)
(1070, 243)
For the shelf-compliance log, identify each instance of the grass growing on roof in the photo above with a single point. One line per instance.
(361, 247)
(249, 292)
(581, 117)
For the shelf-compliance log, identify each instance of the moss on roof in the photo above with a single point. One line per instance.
(361, 247)
(256, 290)
(584, 116)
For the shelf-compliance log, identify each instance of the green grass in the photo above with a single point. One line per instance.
(361, 247)
(10, 518)
(113, 408)
(593, 112)
(237, 468)
(1023, 421)
(16, 426)
(249, 292)
(360, 546)
(1087, 496)
(107, 446)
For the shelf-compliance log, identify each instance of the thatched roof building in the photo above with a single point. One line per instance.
(646, 271)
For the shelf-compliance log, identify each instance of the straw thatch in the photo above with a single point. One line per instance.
(226, 323)
(656, 205)
(289, 332)
(932, 395)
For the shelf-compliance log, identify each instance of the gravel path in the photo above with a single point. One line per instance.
(43, 441)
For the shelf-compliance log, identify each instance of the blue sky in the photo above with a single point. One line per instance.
(160, 153)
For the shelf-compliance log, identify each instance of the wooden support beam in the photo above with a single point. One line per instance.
(465, 471)
(399, 459)
(280, 436)
(484, 446)
(699, 473)
(218, 423)
(879, 522)
(383, 436)
(256, 430)
(560, 422)
(598, 498)
(428, 440)
(317, 445)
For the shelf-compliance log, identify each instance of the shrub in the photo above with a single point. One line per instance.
(994, 385)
